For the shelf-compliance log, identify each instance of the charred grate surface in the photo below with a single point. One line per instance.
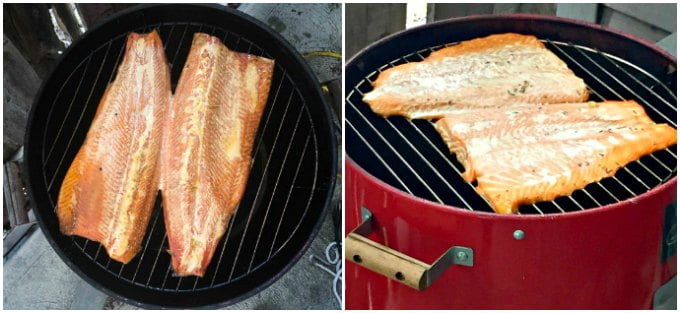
(410, 155)
(287, 189)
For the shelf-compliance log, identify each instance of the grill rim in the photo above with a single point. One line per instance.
(356, 61)
(327, 142)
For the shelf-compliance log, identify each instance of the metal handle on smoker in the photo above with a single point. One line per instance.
(396, 265)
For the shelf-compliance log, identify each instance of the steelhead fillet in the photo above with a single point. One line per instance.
(493, 71)
(109, 190)
(529, 153)
(207, 145)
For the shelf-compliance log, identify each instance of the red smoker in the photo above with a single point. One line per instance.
(428, 241)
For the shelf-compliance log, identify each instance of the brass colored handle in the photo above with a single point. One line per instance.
(396, 265)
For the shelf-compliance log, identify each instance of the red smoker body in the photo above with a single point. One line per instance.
(603, 258)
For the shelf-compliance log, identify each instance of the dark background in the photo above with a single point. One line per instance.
(371, 22)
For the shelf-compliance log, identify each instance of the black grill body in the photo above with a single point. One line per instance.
(288, 190)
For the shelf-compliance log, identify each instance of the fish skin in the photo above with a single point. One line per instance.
(206, 157)
(492, 72)
(519, 157)
(109, 190)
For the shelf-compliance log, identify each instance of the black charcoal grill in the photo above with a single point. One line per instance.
(411, 156)
(289, 187)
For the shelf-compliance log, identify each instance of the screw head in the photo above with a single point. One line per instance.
(518, 234)
(461, 256)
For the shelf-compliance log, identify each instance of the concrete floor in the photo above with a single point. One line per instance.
(36, 278)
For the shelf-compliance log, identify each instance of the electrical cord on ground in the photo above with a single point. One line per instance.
(330, 54)
(334, 261)
(324, 86)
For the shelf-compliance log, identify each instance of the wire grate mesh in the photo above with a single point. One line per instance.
(279, 207)
(410, 155)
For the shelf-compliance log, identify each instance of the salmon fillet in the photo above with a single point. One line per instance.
(494, 72)
(530, 153)
(109, 190)
(207, 147)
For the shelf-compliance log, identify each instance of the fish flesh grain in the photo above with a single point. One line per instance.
(109, 190)
(492, 72)
(195, 146)
(206, 153)
(525, 154)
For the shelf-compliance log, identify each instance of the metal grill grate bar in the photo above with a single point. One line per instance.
(290, 192)
(153, 267)
(584, 68)
(146, 244)
(378, 156)
(311, 192)
(537, 209)
(650, 90)
(422, 181)
(276, 185)
(165, 43)
(266, 122)
(167, 274)
(619, 81)
(467, 205)
(276, 138)
(179, 46)
(87, 65)
(47, 156)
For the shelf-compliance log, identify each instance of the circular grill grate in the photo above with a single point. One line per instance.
(292, 171)
(410, 155)
(247, 226)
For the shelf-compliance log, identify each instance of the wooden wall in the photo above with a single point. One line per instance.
(366, 23)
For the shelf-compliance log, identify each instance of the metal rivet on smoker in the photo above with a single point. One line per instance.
(461, 256)
(518, 234)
